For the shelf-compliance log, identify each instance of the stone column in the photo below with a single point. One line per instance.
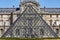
(11, 19)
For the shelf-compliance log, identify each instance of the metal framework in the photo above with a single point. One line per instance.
(30, 24)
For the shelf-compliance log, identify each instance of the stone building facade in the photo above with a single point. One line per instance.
(9, 20)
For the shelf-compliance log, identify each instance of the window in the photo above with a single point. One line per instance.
(1, 23)
(2, 31)
(7, 23)
(54, 16)
(56, 22)
(1, 16)
(5, 17)
(44, 17)
(57, 31)
(59, 16)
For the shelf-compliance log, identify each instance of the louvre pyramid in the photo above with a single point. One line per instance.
(30, 24)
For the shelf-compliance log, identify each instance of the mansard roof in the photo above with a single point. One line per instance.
(48, 10)
(51, 10)
(7, 9)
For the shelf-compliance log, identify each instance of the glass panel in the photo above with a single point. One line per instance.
(17, 32)
(41, 32)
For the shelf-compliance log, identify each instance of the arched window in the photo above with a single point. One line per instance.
(57, 31)
(41, 32)
(2, 31)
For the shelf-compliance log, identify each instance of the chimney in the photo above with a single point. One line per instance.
(44, 9)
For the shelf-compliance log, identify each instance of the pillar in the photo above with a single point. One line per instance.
(11, 19)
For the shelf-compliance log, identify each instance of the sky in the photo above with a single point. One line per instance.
(46, 3)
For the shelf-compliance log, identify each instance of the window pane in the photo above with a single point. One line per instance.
(1, 23)
(7, 23)
(57, 31)
(41, 32)
(17, 32)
